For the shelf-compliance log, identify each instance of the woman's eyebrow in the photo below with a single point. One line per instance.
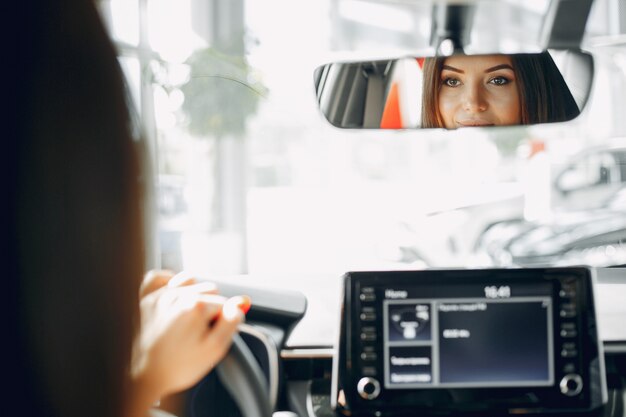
(449, 68)
(499, 67)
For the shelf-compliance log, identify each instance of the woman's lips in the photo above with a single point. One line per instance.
(473, 123)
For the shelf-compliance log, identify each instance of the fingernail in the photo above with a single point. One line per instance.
(231, 310)
(243, 303)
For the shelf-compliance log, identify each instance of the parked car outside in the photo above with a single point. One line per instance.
(593, 236)
(590, 177)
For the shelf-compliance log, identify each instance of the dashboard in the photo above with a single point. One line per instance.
(445, 342)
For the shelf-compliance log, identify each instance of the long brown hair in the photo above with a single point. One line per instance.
(544, 95)
(78, 225)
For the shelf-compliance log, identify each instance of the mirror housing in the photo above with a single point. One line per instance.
(389, 94)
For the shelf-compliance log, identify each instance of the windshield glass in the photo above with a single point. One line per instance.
(255, 187)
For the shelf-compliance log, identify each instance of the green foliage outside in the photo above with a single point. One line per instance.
(222, 92)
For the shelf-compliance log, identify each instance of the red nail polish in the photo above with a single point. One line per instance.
(244, 304)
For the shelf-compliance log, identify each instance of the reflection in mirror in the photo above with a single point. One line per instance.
(456, 91)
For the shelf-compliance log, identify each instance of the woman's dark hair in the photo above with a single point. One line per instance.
(76, 254)
(544, 95)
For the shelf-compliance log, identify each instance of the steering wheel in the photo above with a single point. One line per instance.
(242, 377)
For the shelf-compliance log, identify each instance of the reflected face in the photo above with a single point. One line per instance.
(479, 91)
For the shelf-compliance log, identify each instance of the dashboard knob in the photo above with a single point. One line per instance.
(368, 388)
(571, 385)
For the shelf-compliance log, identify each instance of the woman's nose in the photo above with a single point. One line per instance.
(474, 100)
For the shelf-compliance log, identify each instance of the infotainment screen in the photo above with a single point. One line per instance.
(490, 336)
(518, 339)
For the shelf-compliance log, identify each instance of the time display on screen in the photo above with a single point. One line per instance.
(493, 291)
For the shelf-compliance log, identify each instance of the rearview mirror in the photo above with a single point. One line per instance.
(455, 91)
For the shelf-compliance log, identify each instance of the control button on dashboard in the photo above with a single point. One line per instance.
(367, 294)
(569, 368)
(567, 293)
(569, 353)
(571, 385)
(569, 333)
(368, 388)
(567, 313)
(368, 337)
(367, 297)
(367, 315)
(368, 334)
(369, 356)
(369, 371)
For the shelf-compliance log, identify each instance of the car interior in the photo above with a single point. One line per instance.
(394, 268)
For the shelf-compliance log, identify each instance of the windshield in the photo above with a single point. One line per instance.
(254, 186)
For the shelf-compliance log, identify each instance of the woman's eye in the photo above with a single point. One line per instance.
(451, 82)
(499, 81)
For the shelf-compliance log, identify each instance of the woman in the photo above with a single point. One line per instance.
(85, 335)
(494, 90)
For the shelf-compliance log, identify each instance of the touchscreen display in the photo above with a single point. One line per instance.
(468, 336)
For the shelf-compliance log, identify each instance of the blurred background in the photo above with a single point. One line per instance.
(252, 182)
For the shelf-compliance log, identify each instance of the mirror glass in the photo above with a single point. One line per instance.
(455, 91)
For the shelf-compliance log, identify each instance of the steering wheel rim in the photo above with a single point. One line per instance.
(241, 376)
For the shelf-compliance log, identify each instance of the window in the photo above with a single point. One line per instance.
(253, 184)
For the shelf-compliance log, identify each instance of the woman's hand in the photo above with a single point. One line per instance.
(186, 329)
